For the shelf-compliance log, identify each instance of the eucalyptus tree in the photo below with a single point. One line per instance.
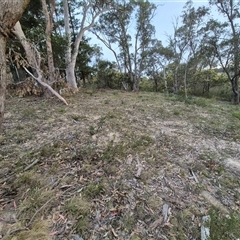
(159, 57)
(178, 45)
(10, 12)
(186, 41)
(223, 38)
(113, 29)
(193, 21)
(87, 53)
(89, 11)
(143, 40)
(128, 32)
(39, 16)
(48, 32)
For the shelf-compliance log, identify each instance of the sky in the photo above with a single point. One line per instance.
(167, 11)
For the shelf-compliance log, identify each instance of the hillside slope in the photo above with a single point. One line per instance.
(115, 165)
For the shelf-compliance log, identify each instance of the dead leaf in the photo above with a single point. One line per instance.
(156, 223)
(114, 233)
(129, 159)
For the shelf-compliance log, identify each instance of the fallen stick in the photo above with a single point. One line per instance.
(46, 85)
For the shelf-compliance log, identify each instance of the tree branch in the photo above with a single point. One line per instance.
(46, 85)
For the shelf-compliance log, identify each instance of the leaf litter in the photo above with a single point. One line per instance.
(116, 165)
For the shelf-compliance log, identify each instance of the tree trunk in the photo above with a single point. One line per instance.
(68, 35)
(234, 83)
(70, 74)
(2, 75)
(185, 82)
(10, 12)
(48, 31)
(86, 23)
(165, 80)
(176, 85)
(34, 59)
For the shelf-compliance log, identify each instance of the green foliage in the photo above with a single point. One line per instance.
(93, 189)
(113, 151)
(142, 141)
(190, 100)
(224, 227)
(39, 230)
(92, 130)
(236, 115)
(77, 206)
(47, 151)
(107, 76)
(176, 112)
(34, 200)
(59, 47)
(30, 179)
(114, 28)
(146, 85)
(75, 117)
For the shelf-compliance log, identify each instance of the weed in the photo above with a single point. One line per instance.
(93, 189)
(75, 117)
(181, 222)
(61, 110)
(77, 206)
(47, 151)
(29, 112)
(176, 112)
(111, 115)
(113, 151)
(81, 225)
(236, 115)
(92, 130)
(19, 127)
(224, 227)
(201, 102)
(144, 140)
(129, 221)
(35, 199)
(40, 230)
(29, 179)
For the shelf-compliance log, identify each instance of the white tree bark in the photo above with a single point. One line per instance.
(67, 32)
(10, 12)
(90, 12)
(48, 32)
(34, 59)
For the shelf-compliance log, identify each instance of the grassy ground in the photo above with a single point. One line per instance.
(117, 165)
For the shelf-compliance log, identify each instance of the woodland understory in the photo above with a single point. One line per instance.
(119, 165)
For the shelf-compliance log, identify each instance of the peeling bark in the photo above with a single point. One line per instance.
(10, 12)
(34, 59)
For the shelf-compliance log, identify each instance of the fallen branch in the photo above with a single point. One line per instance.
(140, 168)
(14, 232)
(39, 210)
(31, 165)
(193, 175)
(165, 212)
(46, 85)
(34, 59)
(205, 229)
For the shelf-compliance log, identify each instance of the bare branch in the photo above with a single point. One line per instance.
(47, 86)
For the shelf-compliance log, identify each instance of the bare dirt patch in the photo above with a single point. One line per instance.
(115, 165)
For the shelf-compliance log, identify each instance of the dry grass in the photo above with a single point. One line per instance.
(86, 178)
